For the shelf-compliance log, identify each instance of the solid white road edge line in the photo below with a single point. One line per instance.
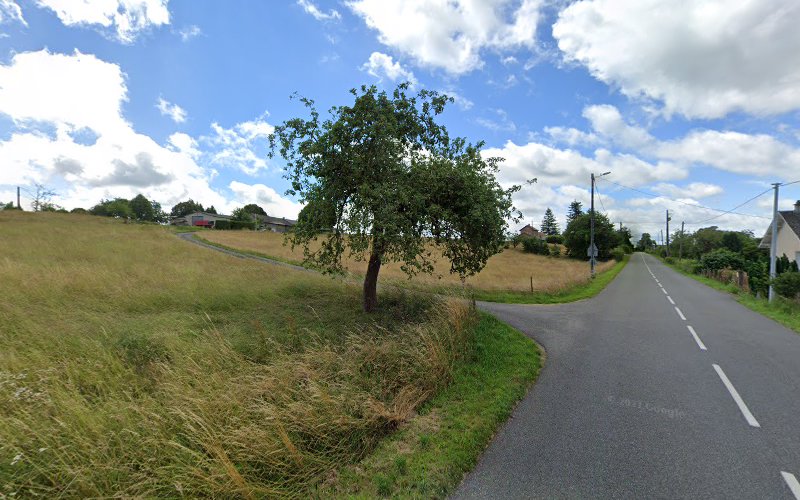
(696, 338)
(680, 313)
(670, 300)
(738, 399)
(793, 484)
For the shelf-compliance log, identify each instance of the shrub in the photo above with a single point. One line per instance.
(618, 253)
(535, 246)
(555, 238)
(240, 224)
(788, 285)
(555, 251)
(222, 224)
(721, 259)
(669, 260)
(628, 249)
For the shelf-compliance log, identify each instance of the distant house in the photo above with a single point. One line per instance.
(200, 219)
(788, 234)
(274, 224)
(532, 232)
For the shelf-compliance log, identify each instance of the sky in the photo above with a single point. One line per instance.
(693, 106)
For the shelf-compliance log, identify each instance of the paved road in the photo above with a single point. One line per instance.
(631, 404)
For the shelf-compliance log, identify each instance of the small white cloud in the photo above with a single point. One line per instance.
(125, 18)
(269, 199)
(693, 190)
(383, 66)
(242, 146)
(10, 11)
(190, 32)
(175, 112)
(501, 124)
(316, 13)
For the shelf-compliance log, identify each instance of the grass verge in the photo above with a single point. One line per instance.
(428, 456)
(781, 310)
(574, 293)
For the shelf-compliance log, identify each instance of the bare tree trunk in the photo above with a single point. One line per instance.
(371, 282)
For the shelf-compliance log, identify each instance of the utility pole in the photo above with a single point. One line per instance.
(661, 237)
(19, 207)
(680, 245)
(774, 243)
(591, 235)
(668, 219)
(592, 253)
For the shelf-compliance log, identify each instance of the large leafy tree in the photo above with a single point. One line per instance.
(254, 209)
(577, 236)
(645, 243)
(383, 181)
(186, 207)
(142, 208)
(549, 223)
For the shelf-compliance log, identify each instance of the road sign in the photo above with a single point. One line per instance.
(591, 252)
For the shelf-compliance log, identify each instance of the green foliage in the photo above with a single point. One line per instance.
(576, 236)
(185, 208)
(555, 238)
(624, 238)
(535, 246)
(555, 251)
(721, 258)
(252, 208)
(79, 211)
(788, 285)
(141, 350)
(783, 264)
(381, 177)
(211, 210)
(549, 223)
(618, 253)
(242, 224)
(242, 215)
(645, 243)
(118, 207)
(575, 210)
(732, 241)
(146, 210)
(222, 224)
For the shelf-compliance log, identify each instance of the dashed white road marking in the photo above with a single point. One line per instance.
(696, 338)
(738, 399)
(670, 300)
(660, 285)
(664, 290)
(794, 486)
(680, 313)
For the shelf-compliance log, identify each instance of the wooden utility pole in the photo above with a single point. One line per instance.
(774, 244)
(668, 232)
(19, 207)
(680, 246)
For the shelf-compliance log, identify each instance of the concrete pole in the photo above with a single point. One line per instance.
(667, 232)
(773, 247)
(591, 233)
(680, 246)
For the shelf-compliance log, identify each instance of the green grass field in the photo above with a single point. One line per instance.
(136, 364)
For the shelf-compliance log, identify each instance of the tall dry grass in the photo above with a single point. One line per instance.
(510, 270)
(134, 364)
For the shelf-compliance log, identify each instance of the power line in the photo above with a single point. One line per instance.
(694, 205)
(600, 199)
(731, 211)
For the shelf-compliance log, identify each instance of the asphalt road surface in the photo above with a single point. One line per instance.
(659, 387)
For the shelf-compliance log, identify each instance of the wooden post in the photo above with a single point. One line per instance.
(531, 284)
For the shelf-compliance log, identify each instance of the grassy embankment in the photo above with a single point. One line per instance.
(784, 311)
(134, 364)
(506, 277)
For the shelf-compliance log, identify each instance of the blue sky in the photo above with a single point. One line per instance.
(688, 104)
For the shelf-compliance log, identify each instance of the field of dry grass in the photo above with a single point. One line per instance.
(510, 270)
(134, 364)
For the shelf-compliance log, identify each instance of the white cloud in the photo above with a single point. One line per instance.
(126, 18)
(175, 112)
(704, 58)
(242, 146)
(501, 122)
(693, 190)
(190, 32)
(316, 13)
(451, 34)
(10, 11)
(383, 66)
(184, 143)
(266, 197)
(54, 98)
(460, 100)
(735, 152)
(571, 136)
(607, 121)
